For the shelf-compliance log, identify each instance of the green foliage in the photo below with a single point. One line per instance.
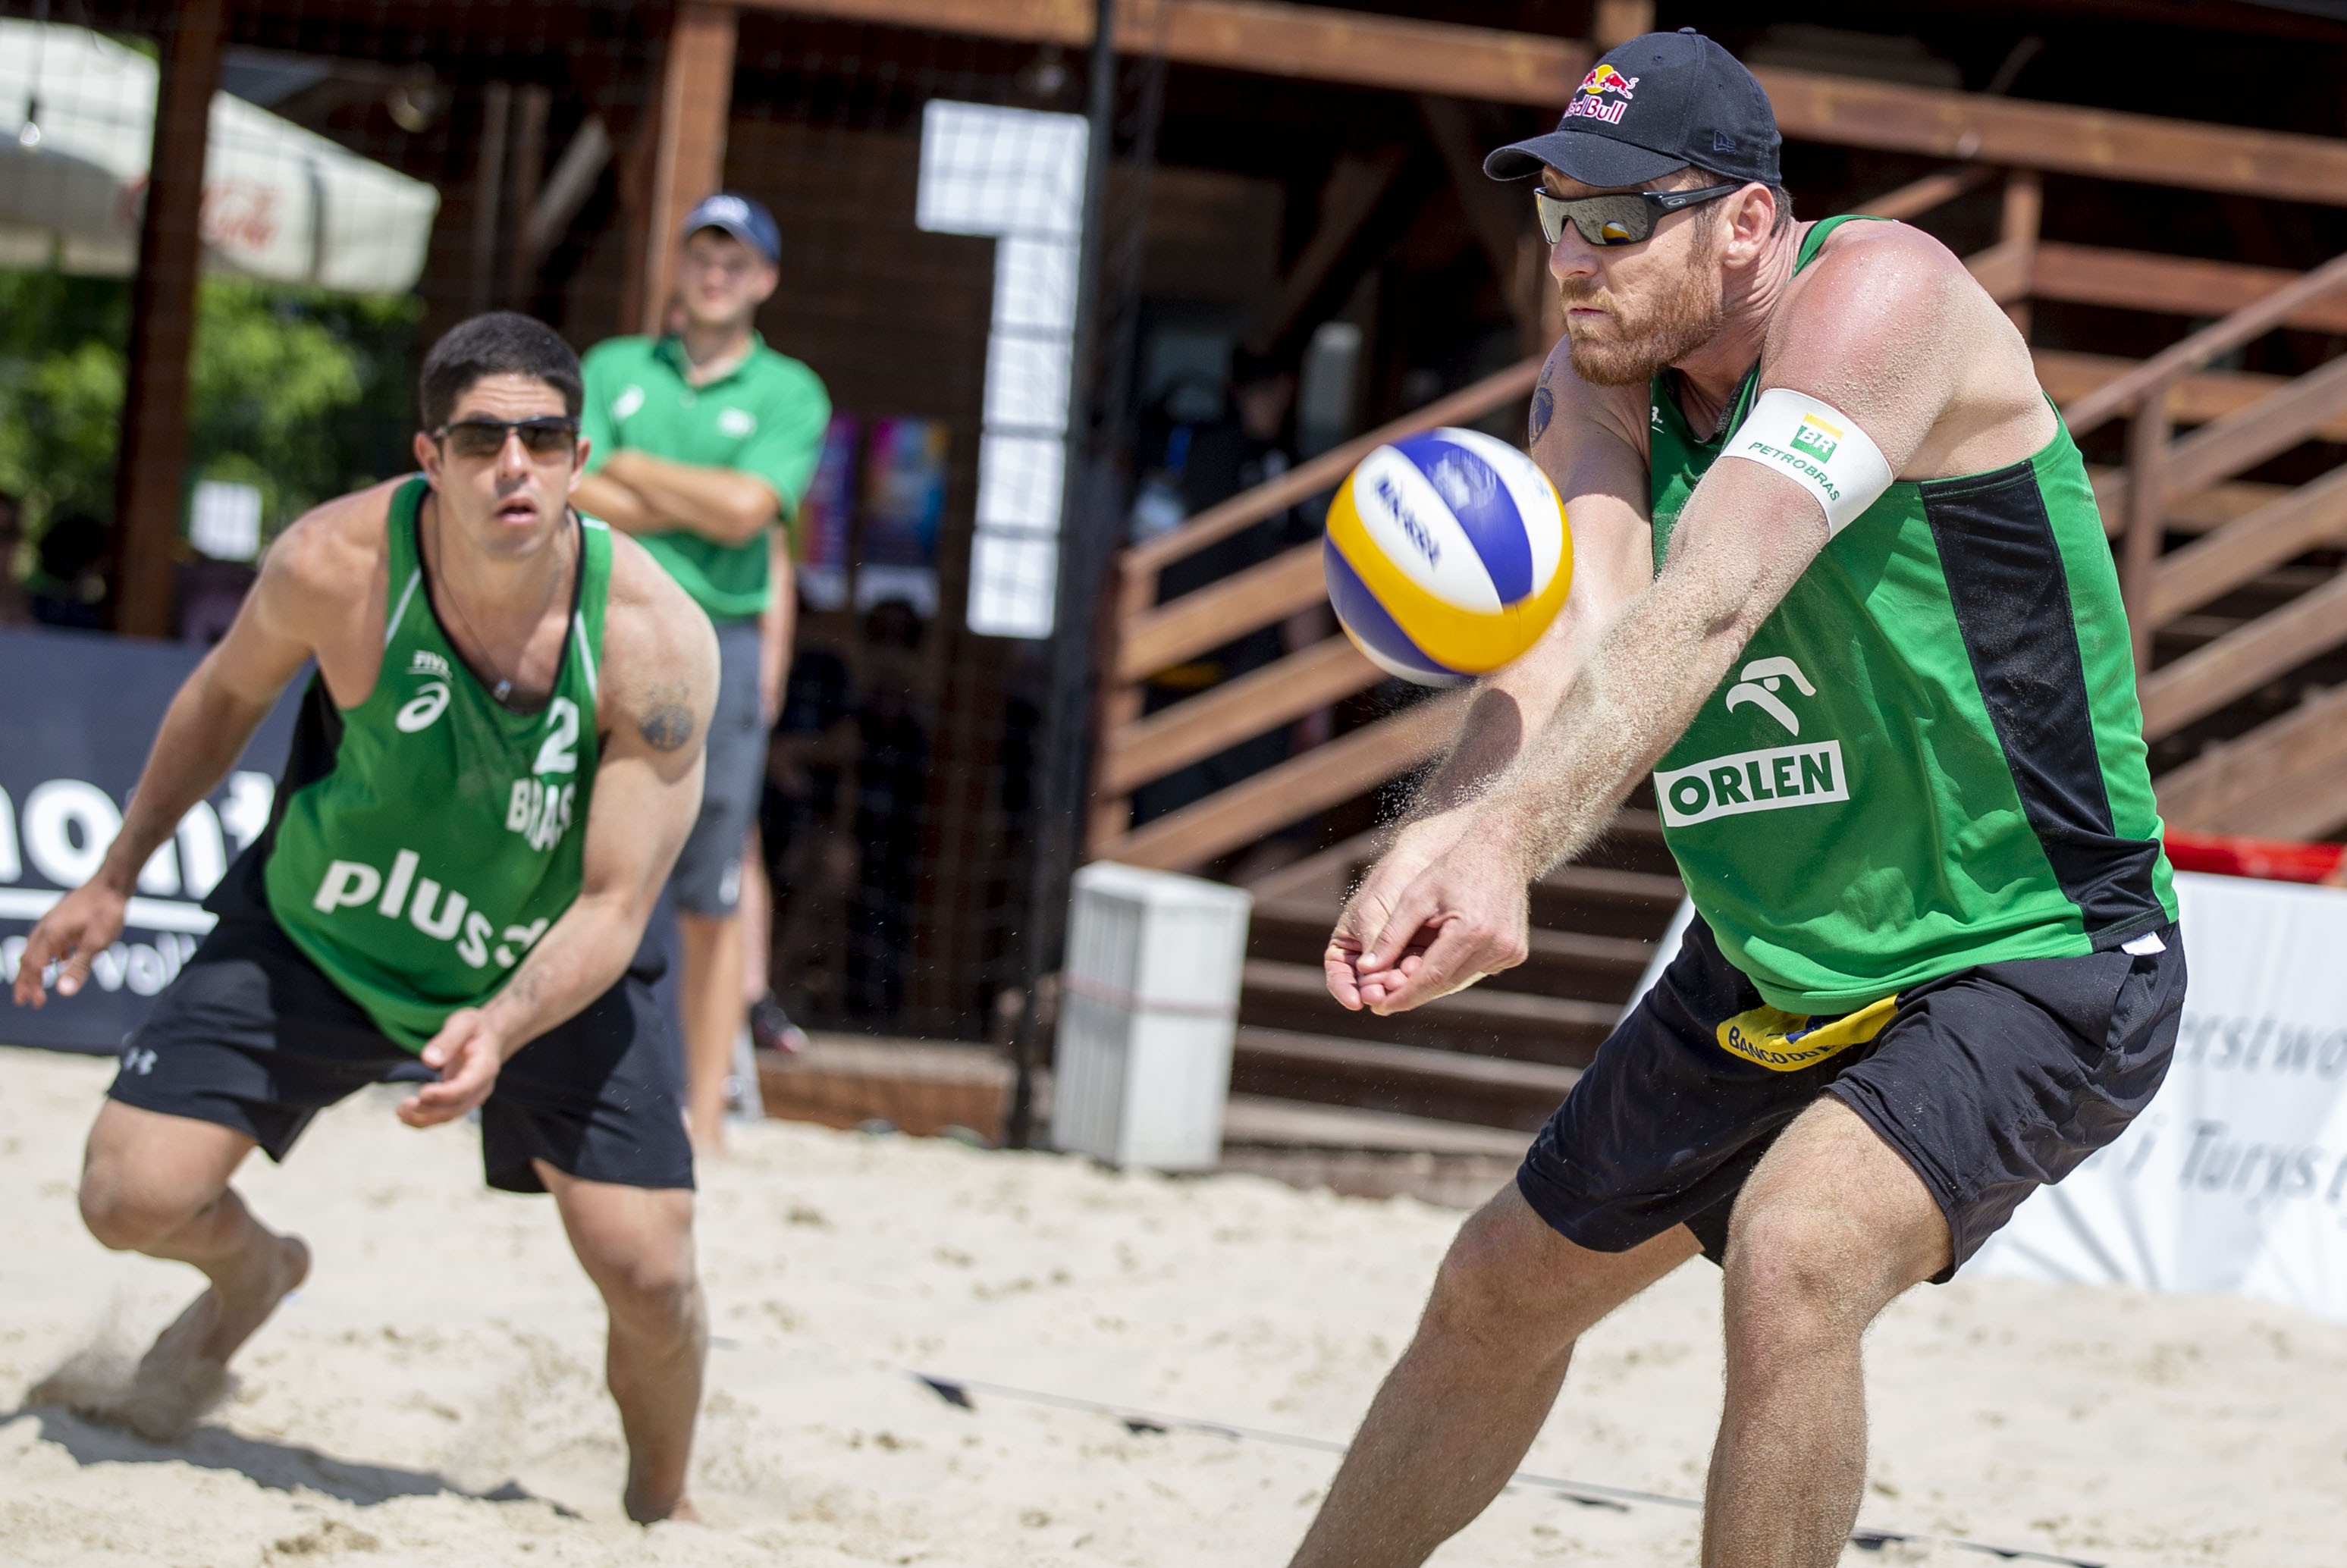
(304, 395)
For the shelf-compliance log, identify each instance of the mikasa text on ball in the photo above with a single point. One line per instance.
(1447, 555)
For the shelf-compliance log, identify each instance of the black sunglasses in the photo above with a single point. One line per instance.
(544, 436)
(1622, 219)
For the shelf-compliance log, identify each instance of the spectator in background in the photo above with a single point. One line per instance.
(69, 588)
(704, 442)
(16, 604)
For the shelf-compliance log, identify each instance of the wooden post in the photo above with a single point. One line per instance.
(523, 254)
(696, 94)
(2146, 501)
(2024, 203)
(151, 460)
(1121, 702)
(490, 194)
(1619, 21)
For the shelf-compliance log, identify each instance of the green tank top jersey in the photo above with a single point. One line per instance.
(428, 835)
(1930, 756)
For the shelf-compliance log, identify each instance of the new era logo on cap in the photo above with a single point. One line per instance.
(1650, 108)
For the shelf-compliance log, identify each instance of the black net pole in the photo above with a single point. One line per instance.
(1087, 538)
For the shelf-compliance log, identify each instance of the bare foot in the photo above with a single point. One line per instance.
(681, 1512)
(186, 1372)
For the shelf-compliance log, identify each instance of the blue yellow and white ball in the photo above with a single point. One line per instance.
(1447, 555)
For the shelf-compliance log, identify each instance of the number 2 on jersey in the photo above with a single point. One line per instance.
(560, 752)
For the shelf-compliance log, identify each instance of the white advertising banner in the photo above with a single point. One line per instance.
(2236, 1178)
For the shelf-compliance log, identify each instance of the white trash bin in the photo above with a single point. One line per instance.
(1149, 1005)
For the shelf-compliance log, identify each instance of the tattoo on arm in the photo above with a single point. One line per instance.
(1543, 409)
(667, 722)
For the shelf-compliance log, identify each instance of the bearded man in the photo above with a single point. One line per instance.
(1841, 589)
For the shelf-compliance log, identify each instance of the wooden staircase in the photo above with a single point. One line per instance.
(2237, 604)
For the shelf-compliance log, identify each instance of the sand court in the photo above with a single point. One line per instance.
(434, 1394)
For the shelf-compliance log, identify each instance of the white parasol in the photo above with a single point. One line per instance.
(281, 203)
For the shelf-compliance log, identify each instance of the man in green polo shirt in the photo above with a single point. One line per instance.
(703, 444)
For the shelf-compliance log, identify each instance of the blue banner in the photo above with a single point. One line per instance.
(77, 712)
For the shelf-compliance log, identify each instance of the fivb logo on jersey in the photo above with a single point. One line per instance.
(1771, 778)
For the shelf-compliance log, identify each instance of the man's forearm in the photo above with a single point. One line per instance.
(603, 497)
(1502, 718)
(725, 504)
(1640, 689)
(581, 957)
(204, 732)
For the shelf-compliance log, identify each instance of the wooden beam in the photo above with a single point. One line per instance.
(1416, 1066)
(1918, 197)
(2148, 454)
(2282, 778)
(2002, 269)
(696, 94)
(567, 188)
(2274, 423)
(1213, 615)
(488, 193)
(2240, 661)
(2309, 517)
(2056, 138)
(1347, 767)
(151, 462)
(1495, 211)
(1303, 682)
(2024, 204)
(1616, 22)
(1326, 44)
(1489, 1005)
(2251, 322)
(2171, 285)
(2195, 398)
(1348, 200)
(531, 104)
(2211, 509)
(1324, 472)
(1313, 43)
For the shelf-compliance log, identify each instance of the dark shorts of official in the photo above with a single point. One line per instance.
(1990, 1082)
(252, 1035)
(708, 876)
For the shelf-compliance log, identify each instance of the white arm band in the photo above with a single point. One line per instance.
(1816, 446)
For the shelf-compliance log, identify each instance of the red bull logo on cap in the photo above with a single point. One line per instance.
(1590, 101)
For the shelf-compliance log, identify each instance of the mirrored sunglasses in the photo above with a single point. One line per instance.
(1622, 219)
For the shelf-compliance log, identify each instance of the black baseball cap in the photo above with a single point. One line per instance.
(1656, 103)
(746, 220)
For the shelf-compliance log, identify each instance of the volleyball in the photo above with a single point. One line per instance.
(1447, 555)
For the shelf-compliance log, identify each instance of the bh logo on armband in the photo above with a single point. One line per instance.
(1816, 437)
(1770, 779)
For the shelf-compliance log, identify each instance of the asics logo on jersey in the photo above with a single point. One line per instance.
(441, 913)
(418, 712)
(1758, 684)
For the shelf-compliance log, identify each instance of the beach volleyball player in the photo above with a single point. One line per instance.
(493, 766)
(1840, 590)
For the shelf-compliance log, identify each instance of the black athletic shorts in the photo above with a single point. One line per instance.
(1991, 1082)
(252, 1035)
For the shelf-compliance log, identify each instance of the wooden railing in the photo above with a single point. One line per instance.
(2186, 485)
